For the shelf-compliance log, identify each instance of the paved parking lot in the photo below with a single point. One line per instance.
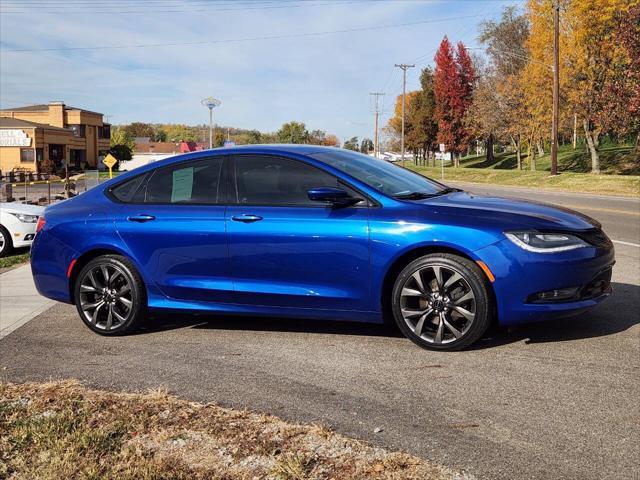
(555, 400)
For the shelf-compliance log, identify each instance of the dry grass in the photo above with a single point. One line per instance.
(64, 430)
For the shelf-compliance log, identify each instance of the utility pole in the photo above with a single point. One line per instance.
(376, 96)
(575, 130)
(556, 87)
(404, 67)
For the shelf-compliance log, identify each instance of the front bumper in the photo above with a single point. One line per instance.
(520, 275)
(22, 234)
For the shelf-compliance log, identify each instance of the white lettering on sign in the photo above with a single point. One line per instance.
(14, 138)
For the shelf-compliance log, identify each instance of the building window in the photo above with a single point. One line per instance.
(104, 131)
(78, 130)
(56, 152)
(27, 155)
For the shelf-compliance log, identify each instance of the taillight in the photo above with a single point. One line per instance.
(40, 224)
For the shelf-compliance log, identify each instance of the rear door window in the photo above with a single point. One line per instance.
(195, 182)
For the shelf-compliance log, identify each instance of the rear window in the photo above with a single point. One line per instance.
(126, 190)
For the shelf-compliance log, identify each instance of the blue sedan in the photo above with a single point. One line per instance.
(315, 232)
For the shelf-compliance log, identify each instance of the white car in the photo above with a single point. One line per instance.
(17, 225)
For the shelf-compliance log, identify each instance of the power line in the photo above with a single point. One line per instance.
(233, 40)
(95, 7)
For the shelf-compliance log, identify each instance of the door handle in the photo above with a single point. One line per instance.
(244, 218)
(141, 218)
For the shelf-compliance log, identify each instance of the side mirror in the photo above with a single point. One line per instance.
(335, 196)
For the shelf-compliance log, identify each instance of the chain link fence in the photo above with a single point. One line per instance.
(44, 189)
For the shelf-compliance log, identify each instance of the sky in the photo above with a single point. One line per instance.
(170, 54)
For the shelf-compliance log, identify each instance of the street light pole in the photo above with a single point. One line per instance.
(210, 103)
(404, 67)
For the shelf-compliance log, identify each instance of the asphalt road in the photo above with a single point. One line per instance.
(555, 400)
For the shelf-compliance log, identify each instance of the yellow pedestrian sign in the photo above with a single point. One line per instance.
(109, 162)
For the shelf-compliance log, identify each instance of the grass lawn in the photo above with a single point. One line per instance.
(620, 166)
(627, 185)
(64, 430)
(614, 159)
(7, 262)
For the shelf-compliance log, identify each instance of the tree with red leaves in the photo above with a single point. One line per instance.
(454, 77)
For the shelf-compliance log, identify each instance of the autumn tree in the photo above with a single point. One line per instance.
(293, 132)
(139, 129)
(499, 109)
(424, 129)
(454, 77)
(366, 145)
(624, 90)
(351, 144)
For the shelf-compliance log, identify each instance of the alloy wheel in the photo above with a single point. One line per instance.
(3, 242)
(437, 304)
(106, 296)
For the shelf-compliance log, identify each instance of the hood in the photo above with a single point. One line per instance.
(512, 213)
(15, 207)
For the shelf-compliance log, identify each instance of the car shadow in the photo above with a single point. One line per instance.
(617, 314)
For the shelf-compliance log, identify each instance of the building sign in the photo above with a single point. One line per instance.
(14, 138)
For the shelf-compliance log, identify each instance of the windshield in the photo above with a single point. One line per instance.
(380, 174)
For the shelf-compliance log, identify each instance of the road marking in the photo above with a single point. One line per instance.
(626, 243)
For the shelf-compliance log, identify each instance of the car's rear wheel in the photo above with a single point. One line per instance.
(110, 295)
(6, 245)
(442, 302)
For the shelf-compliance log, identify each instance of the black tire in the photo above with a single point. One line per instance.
(6, 242)
(470, 287)
(123, 283)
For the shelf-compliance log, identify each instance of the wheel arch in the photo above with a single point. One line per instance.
(85, 258)
(410, 255)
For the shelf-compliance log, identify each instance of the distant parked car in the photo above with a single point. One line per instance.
(17, 225)
(315, 232)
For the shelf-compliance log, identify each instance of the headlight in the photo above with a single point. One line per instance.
(24, 218)
(546, 242)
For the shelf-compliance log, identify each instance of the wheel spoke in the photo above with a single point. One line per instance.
(126, 288)
(93, 280)
(438, 337)
(452, 279)
(466, 297)
(418, 328)
(118, 316)
(105, 274)
(113, 277)
(89, 306)
(409, 313)
(87, 288)
(456, 333)
(438, 275)
(464, 312)
(94, 317)
(125, 301)
(109, 317)
(410, 292)
(418, 278)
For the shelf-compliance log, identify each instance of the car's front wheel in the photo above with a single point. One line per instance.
(442, 302)
(110, 295)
